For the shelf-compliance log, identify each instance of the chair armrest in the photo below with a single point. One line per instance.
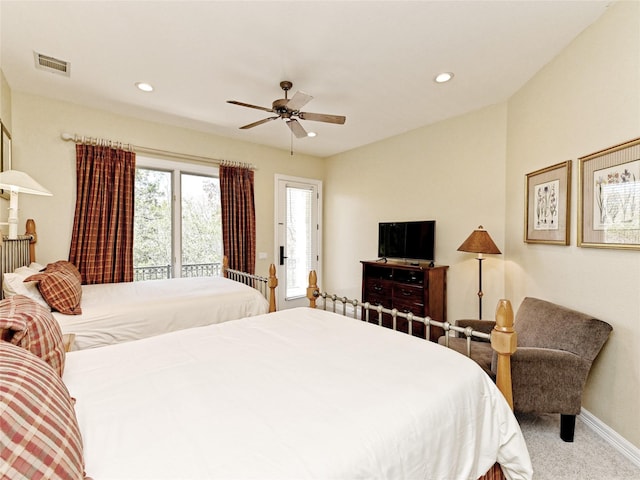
(547, 380)
(484, 326)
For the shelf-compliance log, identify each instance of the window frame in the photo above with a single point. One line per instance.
(176, 168)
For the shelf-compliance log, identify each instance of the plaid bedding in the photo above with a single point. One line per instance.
(39, 434)
(33, 328)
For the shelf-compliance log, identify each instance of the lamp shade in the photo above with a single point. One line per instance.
(21, 182)
(479, 242)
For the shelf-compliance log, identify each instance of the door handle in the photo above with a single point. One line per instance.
(282, 257)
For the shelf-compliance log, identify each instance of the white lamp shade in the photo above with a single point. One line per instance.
(21, 182)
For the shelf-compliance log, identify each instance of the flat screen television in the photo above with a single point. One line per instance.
(407, 240)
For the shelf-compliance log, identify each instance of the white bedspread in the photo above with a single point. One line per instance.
(121, 312)
(295, 394)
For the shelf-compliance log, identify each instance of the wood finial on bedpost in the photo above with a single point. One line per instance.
(504, 341)
(312, 290)
(225, 266)
(31, 230)
(272, 284)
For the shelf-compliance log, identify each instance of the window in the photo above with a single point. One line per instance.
(176, 238)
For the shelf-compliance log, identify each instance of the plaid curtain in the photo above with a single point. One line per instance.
(238, 217)
(102, 237)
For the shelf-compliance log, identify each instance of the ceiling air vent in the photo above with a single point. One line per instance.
(51, 64)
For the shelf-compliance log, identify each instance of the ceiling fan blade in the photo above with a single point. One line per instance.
(249, 105)
(321, 117)
(299, 100)
(259, 122)
(297, 129)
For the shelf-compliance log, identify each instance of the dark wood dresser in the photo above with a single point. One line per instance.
(419, 289)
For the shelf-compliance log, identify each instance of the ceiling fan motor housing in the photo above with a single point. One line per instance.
(280, 107)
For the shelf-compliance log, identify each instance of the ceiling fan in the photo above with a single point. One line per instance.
(289, 110)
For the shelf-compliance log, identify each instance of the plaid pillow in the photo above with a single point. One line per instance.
(32, 327)
(66, 266)
(61, 289)
(14, 284)
(39, 433)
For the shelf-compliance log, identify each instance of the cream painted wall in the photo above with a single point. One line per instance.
(5, 117)
(585, 100)
(452, 172)
(5, 102)
(39, 151)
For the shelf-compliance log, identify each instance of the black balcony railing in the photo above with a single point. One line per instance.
(164, 271)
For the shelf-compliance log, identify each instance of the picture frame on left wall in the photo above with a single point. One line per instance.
(547, 205)
(5, 155)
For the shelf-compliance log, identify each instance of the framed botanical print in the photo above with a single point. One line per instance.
(609, 198)
(547, 205)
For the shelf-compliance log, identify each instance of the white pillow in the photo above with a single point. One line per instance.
(14, 284)
(35, 266)
(24, 272)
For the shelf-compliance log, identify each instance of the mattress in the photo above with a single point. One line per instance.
(295, 394)
(121, 312)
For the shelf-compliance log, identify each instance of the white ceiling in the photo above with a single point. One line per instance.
(373, 62)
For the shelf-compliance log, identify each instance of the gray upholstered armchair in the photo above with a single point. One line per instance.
(556, 347)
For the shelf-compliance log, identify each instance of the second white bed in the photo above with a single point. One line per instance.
(121, 312)
(299, 393)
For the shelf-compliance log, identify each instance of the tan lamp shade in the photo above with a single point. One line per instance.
(479, 242)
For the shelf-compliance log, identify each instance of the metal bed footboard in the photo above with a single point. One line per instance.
(265, 285)
(367, 312)
(256, 281)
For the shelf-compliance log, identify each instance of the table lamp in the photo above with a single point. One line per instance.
(18, 182)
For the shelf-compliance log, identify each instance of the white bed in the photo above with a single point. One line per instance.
(122, 312)
(299, 393)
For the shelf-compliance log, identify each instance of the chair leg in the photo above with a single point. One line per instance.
(567, 427)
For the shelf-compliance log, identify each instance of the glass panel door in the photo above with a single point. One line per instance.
(298, 232)
(201, 239)
(152, 225)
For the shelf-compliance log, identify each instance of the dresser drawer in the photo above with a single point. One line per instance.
(379, 288)
(410, 307)
(375, 299)
(408, 293)
(406, 306)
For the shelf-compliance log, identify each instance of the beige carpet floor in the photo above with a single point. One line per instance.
(589, 457)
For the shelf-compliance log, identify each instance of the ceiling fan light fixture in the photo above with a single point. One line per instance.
(312, 134)
(145, 87)
(443, 77)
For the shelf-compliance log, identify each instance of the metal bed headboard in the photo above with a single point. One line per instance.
(17, 252)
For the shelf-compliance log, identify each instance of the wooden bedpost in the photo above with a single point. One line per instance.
(272, 284)
(504, 341)
(312, 290)
(31, 230)
(225, 266)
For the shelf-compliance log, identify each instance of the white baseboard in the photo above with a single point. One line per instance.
(610, 436)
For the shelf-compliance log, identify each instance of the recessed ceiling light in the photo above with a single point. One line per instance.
(145, 87)
(311, 134)
(443, 77)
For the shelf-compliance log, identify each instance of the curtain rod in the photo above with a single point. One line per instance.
(82, 139)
